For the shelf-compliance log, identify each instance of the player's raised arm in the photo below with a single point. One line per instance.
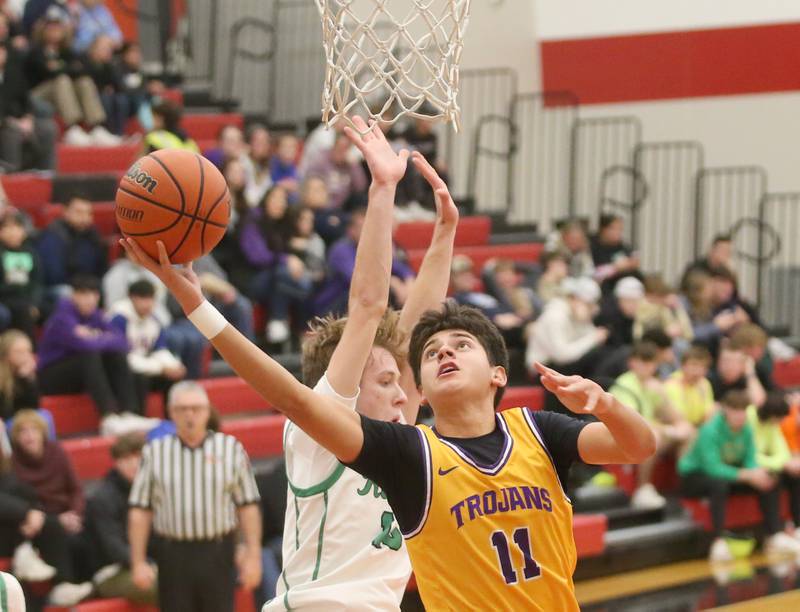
(430, 287)
(369, 287)
(621, 436)
(323, 418)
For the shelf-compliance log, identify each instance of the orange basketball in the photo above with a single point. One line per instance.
(177, 197)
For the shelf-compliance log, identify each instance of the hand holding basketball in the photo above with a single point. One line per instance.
(181, 281)
(177, 197)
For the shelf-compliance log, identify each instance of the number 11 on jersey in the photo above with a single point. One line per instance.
(522, 539)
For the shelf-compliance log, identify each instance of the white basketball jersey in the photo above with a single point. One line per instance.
(342, 549)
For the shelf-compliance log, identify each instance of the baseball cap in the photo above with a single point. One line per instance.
(584, 289)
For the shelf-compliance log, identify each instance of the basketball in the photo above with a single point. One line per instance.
(175, 196)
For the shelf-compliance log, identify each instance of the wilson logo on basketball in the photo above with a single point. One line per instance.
(140, 177)
(130, 214)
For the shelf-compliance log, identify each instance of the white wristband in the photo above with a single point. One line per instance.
(208, 320)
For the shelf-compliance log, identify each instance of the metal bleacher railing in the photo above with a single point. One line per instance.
(530, 156)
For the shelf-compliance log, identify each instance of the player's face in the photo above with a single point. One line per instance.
(455, 367)
(381, 396)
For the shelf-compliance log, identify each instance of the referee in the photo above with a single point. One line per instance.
(194, 488)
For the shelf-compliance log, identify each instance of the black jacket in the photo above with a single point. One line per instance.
(42, 65)
(107, 520)
(14, 90)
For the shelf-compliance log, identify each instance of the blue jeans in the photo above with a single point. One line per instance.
(187, 343)
(270, 571)
(278, 291)
(239, 313)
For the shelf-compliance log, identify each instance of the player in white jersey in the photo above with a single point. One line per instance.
(342, 549)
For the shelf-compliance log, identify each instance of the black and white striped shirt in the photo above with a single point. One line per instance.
(194, 492)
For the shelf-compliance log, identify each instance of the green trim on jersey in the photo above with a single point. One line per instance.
(286, 594)
(318, 488)
(296, 525)
(321, 535)
(3, 595)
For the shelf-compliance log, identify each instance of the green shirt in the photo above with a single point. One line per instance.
(720, 452)
(629, 390)
(772, 452)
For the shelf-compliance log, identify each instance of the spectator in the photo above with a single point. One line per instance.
(502, 279)
(618, 313)
(256, 164)
(154, 367)
(564, 335)
(720, 255)
(555, 268)
(24, 525)
(95, 20)
(615, 361)
(328, 223)
(725, 297)
(223, 295)
(43, 465)
(268, 273)
(35, 10)
(790, 425)
(81, 352)
(20, 276)
(11, 26)
(283, 165)
(735, 371)
(662, 309)
(772, 451)
(197, 533)
(306, 244)
(570, 240)
(420, 136)
(612, 258)
(167, 132)
(107, 524)
(230, 147)
(26, 141)
(640, 388)
(71, 245)
(58, 77)
(104, 71)
(318, 143)
(707, 327)
(19, 388)
(752, 341)
(345, 179)
(464, 285)
(332, 296)
(138, 90)
(722, 461)
(236, 179)
(688, 389)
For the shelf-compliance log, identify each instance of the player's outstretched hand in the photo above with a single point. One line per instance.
(579, 394)
(446, 209)
(181, 281)
(386, 166)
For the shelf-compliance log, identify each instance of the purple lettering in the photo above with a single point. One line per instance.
(516, 499)
(532, 497)
(546, 502)
(474, 506)
(490, 502)
(503, 505)
(457, 511)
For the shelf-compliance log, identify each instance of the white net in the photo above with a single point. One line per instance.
(389, 59)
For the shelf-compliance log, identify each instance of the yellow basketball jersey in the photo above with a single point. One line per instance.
(496, 538)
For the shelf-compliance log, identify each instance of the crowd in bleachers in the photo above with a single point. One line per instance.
(77, 318)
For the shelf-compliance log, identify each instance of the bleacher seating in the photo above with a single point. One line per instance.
(528, 252)
(97, 159)
(742, 511)
(472, 231)
(206, 126)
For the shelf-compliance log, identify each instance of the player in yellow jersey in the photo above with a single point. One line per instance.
(479, 496)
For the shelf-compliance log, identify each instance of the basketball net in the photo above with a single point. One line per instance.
(389, 65)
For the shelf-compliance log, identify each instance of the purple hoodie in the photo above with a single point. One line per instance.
(59, 339)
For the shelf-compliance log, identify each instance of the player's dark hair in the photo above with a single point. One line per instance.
(775, 407)
(141, 288)
(455, 316)
(645, 351)
(85, 282)
(736, 399)
(325, 334)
